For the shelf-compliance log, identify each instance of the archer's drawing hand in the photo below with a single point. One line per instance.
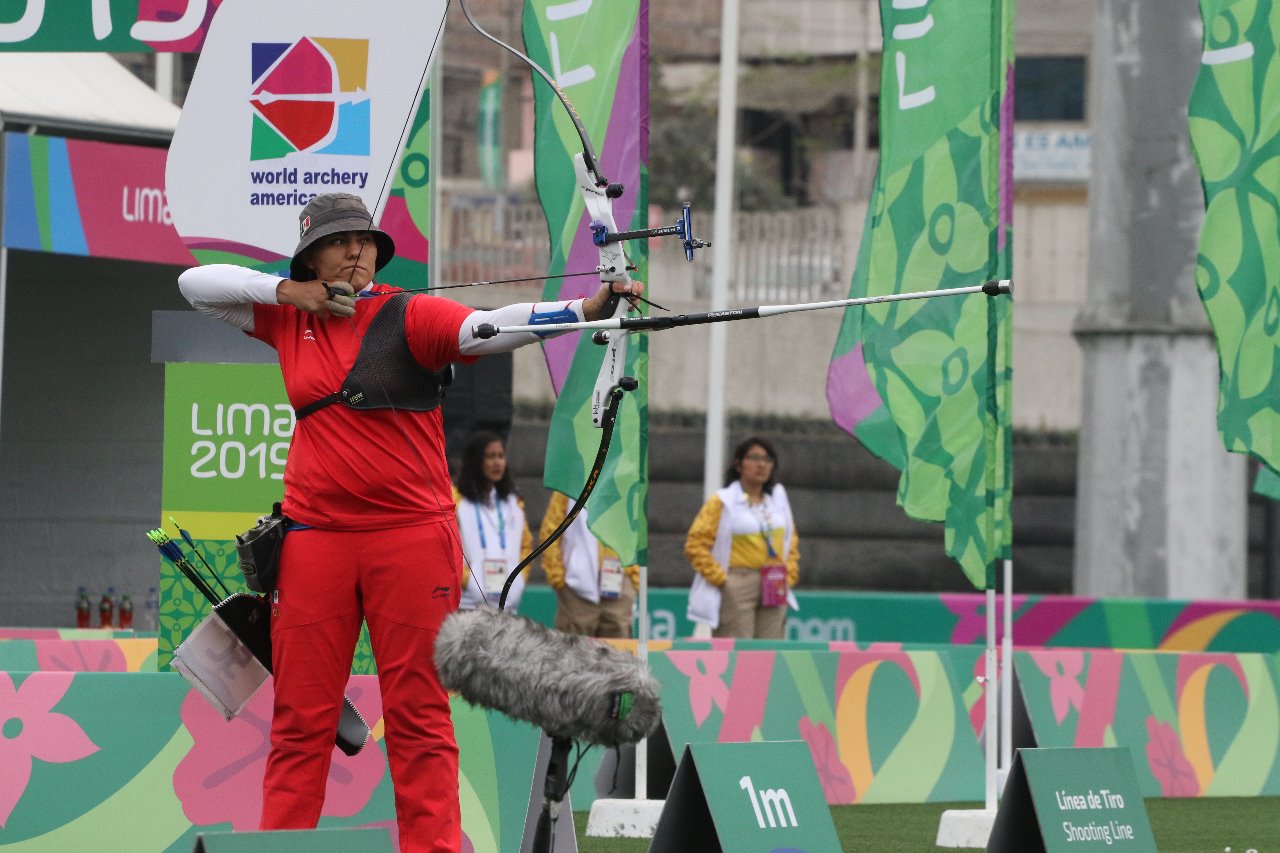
(317, 297)
(342, 301)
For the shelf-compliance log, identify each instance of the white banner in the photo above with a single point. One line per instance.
(291, 99)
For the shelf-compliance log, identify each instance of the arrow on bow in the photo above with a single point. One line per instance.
(1002, 287)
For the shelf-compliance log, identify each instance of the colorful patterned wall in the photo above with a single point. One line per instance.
(139, 761)
(1198, 725)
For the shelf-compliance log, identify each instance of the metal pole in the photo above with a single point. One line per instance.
(862, 88)
(164, 76)
(989, 695)
(642, 651)
(1006, 673)
(504, 72)
(726, 144)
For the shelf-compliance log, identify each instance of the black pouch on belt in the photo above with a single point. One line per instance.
(259, 551)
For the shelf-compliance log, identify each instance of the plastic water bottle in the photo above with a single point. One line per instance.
(150, 608)
(106, 608)
(124, 618)
(84, 608)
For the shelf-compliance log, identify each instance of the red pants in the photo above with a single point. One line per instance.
(403, 582)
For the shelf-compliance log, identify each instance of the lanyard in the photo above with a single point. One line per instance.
(502, 536)
(765, 531)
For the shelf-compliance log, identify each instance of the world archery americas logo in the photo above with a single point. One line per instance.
(310, 96)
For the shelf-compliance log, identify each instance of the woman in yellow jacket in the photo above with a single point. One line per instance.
(495, 533)
(594, 592)
(745, 551)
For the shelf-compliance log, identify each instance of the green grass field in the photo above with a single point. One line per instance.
(1207, 825)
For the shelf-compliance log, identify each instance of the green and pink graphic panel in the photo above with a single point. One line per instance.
(118, 26)
(1197, 724)
(882, 725)
(98, 199)
(1046, 620)
(227, 429)
(107, 200)
(105, 655)
(831, 617)
(70, 634)
(140, 761)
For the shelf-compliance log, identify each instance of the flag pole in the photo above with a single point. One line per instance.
(722, 243)
(991, 729)
(1006, 677)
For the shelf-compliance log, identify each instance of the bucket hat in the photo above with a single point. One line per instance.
(332, 213)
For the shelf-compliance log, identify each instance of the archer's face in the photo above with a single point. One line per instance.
(348, 256)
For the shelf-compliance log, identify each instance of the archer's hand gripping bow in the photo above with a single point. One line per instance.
(614, 267)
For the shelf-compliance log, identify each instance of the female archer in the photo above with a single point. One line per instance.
(373, 534)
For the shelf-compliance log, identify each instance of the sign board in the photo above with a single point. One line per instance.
(747, 798)
(1072, 801)
(1059, 155)
(99, 199)
(325, 110)
(227, 429)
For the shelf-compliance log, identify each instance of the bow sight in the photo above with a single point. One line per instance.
(683, 228)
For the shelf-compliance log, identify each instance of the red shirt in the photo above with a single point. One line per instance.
(361, 470)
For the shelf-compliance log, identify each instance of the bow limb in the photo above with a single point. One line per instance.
(606, 436)
(598, 195)
(588, 150)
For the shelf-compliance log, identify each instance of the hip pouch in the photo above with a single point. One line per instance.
(259, 551)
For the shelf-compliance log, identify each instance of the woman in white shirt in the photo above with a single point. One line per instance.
(495, 533)
(744, 550)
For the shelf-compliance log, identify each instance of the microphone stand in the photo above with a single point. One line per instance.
(554, 788)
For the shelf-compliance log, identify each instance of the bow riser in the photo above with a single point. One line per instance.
(613, 268)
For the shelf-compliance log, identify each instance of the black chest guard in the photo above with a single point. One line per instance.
(386, 375)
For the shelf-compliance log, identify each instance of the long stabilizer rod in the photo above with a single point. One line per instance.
(669, 321)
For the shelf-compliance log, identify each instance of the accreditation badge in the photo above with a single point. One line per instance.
(495, 576)
(773, 585)
(610, 577)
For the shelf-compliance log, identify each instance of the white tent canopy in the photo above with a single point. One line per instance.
(81, 92)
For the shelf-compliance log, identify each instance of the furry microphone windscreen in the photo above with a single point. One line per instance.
(567, 685)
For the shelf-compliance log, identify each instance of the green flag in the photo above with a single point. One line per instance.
(1236, 138)
(600, 60)
(925, 384)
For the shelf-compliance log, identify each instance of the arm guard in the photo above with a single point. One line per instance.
(519, 314)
